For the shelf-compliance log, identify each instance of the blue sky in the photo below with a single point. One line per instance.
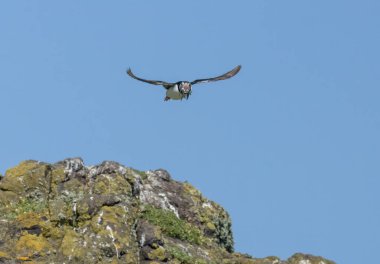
(290, 146)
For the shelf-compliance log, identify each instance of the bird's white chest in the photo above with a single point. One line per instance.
(174, 93)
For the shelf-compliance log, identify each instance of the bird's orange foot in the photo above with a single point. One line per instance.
(167, 98)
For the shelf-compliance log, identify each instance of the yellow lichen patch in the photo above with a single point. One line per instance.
(114, 261)
(4, 255)
(52, 232)
(28, 174)
(101, 187)
(23, 168)
(29, 245)
(71, 245)
(82, 211)
(158, 254)
(23, 258)
(122, 239)
(115, 184)
(29, 219)
(211, 226)
(75, 188)
(7, 197)
(190, 189)
(113, 214)
(131, 257)
(58, 175)
(120, 186)
(32, 219)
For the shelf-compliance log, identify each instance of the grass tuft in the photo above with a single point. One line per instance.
(171, 225)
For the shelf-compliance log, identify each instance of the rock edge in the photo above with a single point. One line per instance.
(109, 213)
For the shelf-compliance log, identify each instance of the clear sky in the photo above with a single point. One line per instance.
(290, 146)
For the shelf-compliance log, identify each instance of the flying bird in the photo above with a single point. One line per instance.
(182, 89)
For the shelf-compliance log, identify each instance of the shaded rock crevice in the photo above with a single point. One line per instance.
(68, 212)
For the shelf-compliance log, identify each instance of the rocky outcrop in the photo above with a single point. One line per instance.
(71, 213)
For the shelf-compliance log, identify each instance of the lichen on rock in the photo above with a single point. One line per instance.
(68, 212)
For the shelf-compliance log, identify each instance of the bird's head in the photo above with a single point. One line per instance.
(185, 88)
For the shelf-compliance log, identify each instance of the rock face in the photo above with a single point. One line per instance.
(108, 213)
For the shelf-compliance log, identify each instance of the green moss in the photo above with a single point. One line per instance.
(23, 206)
(183, 257)
(171, 225)
(142, 174)
(30, 205)
(178, 254)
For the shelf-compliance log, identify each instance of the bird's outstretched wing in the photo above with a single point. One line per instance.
(165, 84)
(219, 78)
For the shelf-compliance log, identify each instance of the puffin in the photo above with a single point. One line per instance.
(182, 89)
